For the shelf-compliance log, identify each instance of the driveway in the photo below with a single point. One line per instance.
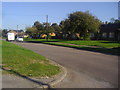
(85, 69)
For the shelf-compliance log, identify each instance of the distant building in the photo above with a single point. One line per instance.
(19, 32)
(12, 31)
(110, 32)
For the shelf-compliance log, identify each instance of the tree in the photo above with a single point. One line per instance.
(39, 28)
(48, 28)
(66, 28)
(83, 23)
(4, 32)
(117, 21)
(31, 31)
(112, 20)
(56, 29)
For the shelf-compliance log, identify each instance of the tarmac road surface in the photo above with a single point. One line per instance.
(85, 69)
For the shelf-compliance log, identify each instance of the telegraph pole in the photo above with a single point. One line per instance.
(17, 31)
(46, 18)
(47, 27)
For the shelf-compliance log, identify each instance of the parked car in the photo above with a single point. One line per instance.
(19, 39)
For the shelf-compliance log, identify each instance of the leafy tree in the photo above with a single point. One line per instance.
(36, 23)
(117, 21)
(39, 28)
(66, 28)
(48, 29)
(83, 23)
(4, 32)
(112, 20)
(56, 29)
(62, 24)
(31, 31)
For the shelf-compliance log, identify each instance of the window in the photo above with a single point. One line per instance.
(104, 35)
(111, 35)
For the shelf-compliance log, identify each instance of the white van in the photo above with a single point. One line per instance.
(10, 36)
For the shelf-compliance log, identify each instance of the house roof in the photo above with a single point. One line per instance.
(16, 30)
(110, 27)
(12, 31)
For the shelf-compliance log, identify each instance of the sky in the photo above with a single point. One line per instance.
(24, 14)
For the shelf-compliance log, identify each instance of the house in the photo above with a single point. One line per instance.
(110, 31)
(12, 31)
(19, 32)
(51, 34)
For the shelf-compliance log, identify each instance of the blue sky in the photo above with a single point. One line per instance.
(26, 13)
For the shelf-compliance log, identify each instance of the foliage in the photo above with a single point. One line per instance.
(81, 22)
(31, 30)
(66, 28)
(42, 28)
(39, 27)
(56, 28)
(4, 32)
(113, 20)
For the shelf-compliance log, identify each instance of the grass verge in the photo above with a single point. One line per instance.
(26, 62)
(98, 43)
(106, 47)
(114, 51)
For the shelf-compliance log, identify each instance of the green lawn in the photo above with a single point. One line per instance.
(42, 40)
(99, 43)
(106, 47)
(105, 44)
(26, 62)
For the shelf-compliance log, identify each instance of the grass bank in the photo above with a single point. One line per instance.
(26, 62)
(98, 43)
(106, 47)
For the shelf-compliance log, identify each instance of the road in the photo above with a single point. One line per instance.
(13, 81)
(85, 69)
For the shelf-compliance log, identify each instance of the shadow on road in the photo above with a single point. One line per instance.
(25, 77)
(108, 51)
